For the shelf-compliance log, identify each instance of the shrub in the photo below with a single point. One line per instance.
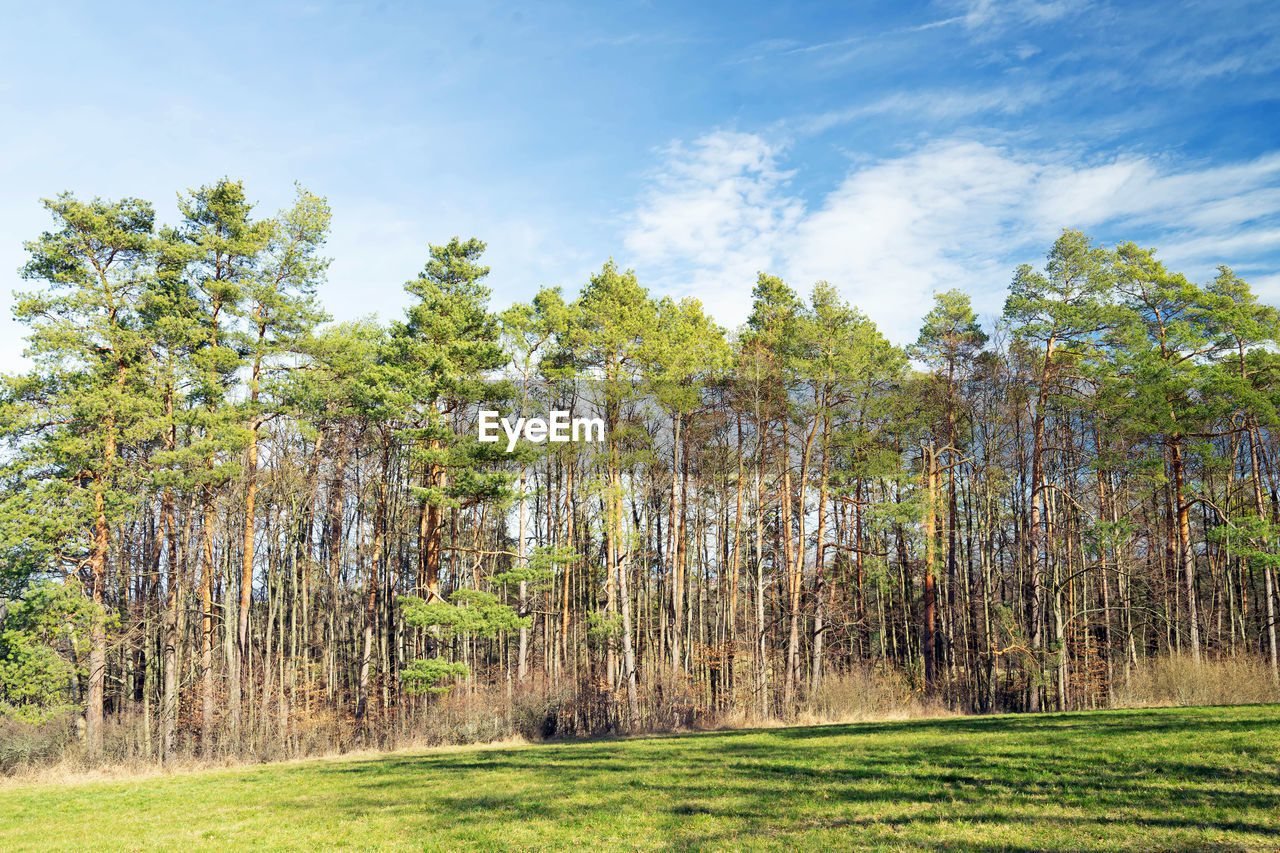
(28, 744)
(863, 693)
(1173, 680)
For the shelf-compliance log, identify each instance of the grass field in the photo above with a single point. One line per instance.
(1198, 778)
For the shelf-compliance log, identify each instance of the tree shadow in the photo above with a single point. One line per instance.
(919, 777)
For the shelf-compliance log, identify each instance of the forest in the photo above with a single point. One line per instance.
(233, 527)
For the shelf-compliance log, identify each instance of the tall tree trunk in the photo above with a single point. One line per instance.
(675, 528)
(246, 565)
(732, 620)
(622, 565)
(93, 715)
(522, 668)
(1035, 536)
(1185, 554)
(433, 544)
(929, 625)
(206, 626)
(169, 700)
(371, 586)
(760, 640)
(819, 569)
(1267, 573)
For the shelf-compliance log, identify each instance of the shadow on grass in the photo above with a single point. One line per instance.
(1166, 773)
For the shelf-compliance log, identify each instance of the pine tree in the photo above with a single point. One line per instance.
(614, 318)
(684, 353)
(88, 398)
(1062, 310)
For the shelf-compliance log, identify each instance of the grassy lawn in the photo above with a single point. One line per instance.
(1185, 779)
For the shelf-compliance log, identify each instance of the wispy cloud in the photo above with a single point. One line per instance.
(840, 47)
(953, 213)
(845, 42)
(939, 104)
(990, 17)
(716, 209)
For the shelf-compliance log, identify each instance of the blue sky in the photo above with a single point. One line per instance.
(892, 149)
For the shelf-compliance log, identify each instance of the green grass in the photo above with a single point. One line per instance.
(1196, 778)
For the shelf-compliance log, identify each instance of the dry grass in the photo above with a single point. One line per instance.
(489, 718)
(77, 773)
(1176, 681)
(484, 719)
(863, 694)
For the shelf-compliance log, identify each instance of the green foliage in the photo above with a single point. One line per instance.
(541, 568)
(614, 318)
(426, 675)
(525, 575)
(1162, 342)
(685, 352)
(1104, 537)
(34, 678)
(282, 311)
(1256, 540)
(471, 611)
(88, 392)
(44, 635)
(434, 363)
(448, 336)
(159, 353)
(603, 628)
(950, 331)
(775, 307)
(1065, 305)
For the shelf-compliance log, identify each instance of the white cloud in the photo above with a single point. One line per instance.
(991, 16)
(836, 50)
(935, 105)
(717, 210)
(892, 233)
(954, 213)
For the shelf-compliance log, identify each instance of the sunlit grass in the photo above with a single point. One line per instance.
(1123, 780)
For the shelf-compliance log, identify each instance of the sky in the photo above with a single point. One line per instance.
(893, 149)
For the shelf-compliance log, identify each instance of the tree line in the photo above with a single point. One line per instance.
(232, 526)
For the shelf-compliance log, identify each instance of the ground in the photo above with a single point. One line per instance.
(1168, 779)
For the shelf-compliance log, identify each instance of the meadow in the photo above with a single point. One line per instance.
(1169, 779)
